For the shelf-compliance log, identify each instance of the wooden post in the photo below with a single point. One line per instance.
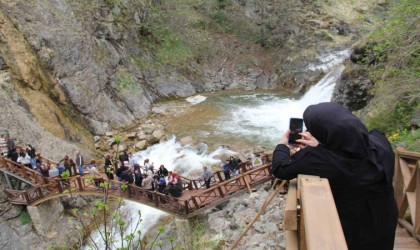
(247, 185)
(6, 177)
(186, 210)
(59, 186)
(156, 198)
(221, 191)
(79, 183)
(219, 176)
(290, 209)
(25, 194)
(416, 218)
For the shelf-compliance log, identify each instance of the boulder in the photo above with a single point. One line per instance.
(45, 217)
(96, 138)
(415, 119)
(141, 145)
(110, 142)
(148, 128)
(122, 147)
(131, 135)
(156, 136)
(142, 136)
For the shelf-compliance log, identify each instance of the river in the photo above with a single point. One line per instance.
(228, 118)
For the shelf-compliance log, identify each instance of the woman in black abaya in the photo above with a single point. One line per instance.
(358, 165)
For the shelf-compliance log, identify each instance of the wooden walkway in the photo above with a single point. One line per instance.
(195, 197)
(404, 240)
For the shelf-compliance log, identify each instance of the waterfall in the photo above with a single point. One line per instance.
(261, 117)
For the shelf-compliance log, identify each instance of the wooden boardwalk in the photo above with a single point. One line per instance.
(404, 240)
(195, 197)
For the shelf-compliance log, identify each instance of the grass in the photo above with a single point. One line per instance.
(25, 218)
(393, 62)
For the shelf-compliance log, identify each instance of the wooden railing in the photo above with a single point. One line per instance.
(49, 188)
(407, 190)
(310, 218)
(24, 173)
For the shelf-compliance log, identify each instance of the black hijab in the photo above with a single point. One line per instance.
(361, 156)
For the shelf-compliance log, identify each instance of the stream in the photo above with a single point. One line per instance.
(236, 119)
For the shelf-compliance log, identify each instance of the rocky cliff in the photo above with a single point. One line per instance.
(103, 63)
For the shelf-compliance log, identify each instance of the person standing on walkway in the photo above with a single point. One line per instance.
(206, 176)
(79, 163)
(226, 170)
(359, 166)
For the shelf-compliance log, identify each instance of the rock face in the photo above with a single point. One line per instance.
(15, 115)
(97, 61)
(223, 225)
(9, 240)
(353, 90)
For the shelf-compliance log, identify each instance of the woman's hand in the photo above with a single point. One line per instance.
(307, 140)
(284, 140)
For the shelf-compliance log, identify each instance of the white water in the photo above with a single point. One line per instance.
(266, 117)
(329, 61)
(263, 117)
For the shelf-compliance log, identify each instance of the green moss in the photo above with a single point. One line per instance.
(25, 218)
(125, 80)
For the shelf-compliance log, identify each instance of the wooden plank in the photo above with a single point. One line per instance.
(291, 240)
(416, 221)
(405, 172)
(290, 209)
(411, 197)
(408, 154)
(304, 176)
(322, 224)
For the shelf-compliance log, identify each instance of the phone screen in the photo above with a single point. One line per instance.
(296, 127)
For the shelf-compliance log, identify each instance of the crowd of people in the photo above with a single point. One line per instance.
(126, 169)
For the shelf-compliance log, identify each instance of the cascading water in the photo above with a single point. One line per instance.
(260, 118)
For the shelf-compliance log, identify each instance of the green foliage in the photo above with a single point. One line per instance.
(221, 19)
(125, 80)
(392, 53)
(117, 139)
(411, 139)
(198, 241)
(65, 174)
(172, 48)
(25, 218)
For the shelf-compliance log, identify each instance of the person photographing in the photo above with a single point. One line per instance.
(359, 166)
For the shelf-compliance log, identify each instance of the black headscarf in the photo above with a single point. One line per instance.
(361, 156)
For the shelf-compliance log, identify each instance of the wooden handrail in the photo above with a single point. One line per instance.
(407, 190)
(46, 188)
(318, 226)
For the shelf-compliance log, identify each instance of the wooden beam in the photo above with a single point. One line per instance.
(290, 209)
(292, 242)
(416, 218)
(406, 173)
(6, 177)
(322, 225)
(248, 186)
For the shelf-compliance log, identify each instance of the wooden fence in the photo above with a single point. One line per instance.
(310, 218)
(196, 197)
(407, 190)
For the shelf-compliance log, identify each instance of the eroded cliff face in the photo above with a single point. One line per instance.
(106, 62)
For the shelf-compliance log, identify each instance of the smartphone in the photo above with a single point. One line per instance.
(296, 127)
